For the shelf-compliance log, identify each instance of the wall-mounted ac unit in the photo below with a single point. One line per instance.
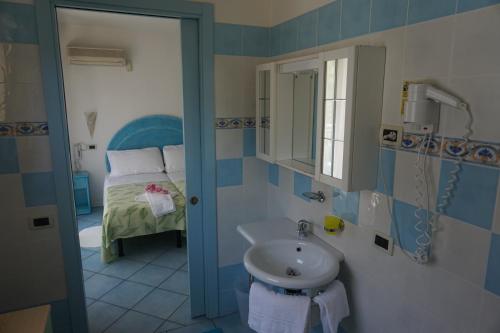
(98, 56)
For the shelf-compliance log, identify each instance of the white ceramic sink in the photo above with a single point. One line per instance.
(292, 264)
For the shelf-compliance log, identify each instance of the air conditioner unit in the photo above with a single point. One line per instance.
(98, 56)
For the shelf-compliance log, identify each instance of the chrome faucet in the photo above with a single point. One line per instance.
(303, 227)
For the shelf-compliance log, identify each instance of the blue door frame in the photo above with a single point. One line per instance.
(197, 46)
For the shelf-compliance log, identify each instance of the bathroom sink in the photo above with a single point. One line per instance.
(292, 264)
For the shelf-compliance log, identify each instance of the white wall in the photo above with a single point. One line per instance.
(391, 293)
(154, 86)
(284, 10)
(254, 12)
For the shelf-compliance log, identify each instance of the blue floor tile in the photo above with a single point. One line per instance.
(179, 282)
(152, 275)
(135, 322)
(232, 323)
(85, 253)
(102, 315)
(174, 259)
(94, 263)
(196, 328)
(122, 268)
(98, 285)
(167, 326)
(127, 294)
(87, 274)
(183, 315)
(89, 301)
(160, 303)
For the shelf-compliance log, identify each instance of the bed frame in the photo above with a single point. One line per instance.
(149, 131)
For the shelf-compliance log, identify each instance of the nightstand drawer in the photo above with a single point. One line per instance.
(80, 182)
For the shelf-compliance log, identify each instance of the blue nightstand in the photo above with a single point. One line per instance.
(81, 192)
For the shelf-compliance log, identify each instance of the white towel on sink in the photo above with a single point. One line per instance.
(270, 312)
(333, 306)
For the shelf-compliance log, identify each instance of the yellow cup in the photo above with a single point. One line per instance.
(333, 224)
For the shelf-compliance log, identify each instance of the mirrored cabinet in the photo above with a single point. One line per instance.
(325, 113)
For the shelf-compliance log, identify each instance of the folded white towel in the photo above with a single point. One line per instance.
(270, 312)
(160, 203)
(333, 306)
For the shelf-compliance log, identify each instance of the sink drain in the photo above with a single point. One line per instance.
(292, 272)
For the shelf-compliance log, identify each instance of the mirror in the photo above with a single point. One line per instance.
(305, 85)
(264, 109)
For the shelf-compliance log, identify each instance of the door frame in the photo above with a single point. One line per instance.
(53, 89)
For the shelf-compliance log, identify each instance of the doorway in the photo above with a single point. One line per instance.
(196, 88)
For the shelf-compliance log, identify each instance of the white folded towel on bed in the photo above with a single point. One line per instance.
(160, 203)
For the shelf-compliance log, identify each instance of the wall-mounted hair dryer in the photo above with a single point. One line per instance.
(422, 107)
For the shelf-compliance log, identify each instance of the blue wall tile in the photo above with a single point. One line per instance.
(301, 184)
(346, 205)
(17, 23)
(256, 41)
(473, 200)
(423, 10)
(329, 23)
(404, 216)
(275, 40)
(59, 314)
(387, 165)
(492, 282)
(249, 142)
(229, 172)
(8, 156)
(355, 18)
(228, 39)
(387, 14)
(39, 189)
(231, 277)
(465, 5)
(273, 174)
(288, 36)
(308, 30)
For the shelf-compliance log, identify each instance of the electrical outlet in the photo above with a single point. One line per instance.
(92, 147)
(391, 135)
(40, 222)
(383, 242)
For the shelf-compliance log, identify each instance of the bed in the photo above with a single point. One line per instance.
(126, 217)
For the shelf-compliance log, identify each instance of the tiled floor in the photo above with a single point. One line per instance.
(144, 291)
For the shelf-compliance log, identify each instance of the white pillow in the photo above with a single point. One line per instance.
(173, 157)
(135, 161)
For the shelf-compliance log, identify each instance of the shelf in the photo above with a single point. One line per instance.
(297, 166)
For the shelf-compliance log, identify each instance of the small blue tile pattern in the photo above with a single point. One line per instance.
(288, 36)
(387, 14)
(39, 189)
(233, 123)
(256, 41)
(24, 128)
(466, 5)
(404, 216)
(273, 174)
(473, 200)
(355, 19)
(492, 281)
(329, 23)
(346, 205)
(275, 41)
(301, 184)
(8, 156)
(386, 172)
(231, 277)
(17, 23)
(249, 142)
(424, 10)
(239, 40)
(229, 172)
(307, 30)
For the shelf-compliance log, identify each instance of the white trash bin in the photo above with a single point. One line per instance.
(242, 297)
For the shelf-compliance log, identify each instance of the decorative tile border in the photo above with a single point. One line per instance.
(24, 129)
(233, 123)
(479, 152)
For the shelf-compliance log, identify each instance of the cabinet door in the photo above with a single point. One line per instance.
(335, 100)
(265, 115)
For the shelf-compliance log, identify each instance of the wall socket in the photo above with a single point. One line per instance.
(383, 242)
(40, 222)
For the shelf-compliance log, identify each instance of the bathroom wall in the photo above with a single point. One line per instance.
(452, 44)
(32, 265)
(118, 96)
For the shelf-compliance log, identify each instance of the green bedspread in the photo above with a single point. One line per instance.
(124, 217)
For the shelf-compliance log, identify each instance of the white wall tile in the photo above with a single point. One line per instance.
(34, 153)
(462, 248)
(25, 63)
(489, 321)
(11, 193)
(428, 49)
(285, 180)
(404, 178)
(229, 143)
(25, 103)
(255, 189)
(477, 50)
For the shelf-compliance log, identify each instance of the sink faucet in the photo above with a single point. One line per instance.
(303, 227)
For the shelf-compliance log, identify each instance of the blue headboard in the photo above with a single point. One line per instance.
(149, 131)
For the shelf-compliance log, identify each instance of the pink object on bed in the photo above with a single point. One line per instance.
(155, 188)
